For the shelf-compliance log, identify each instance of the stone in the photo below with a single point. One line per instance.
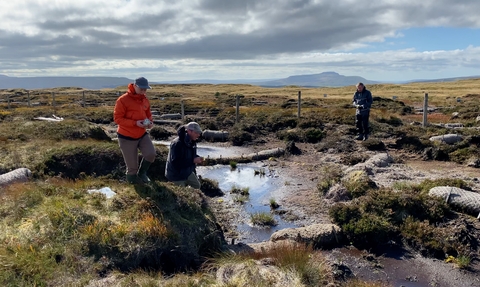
(17, 175)
(320, 235)
(464, 200)
(448, 138)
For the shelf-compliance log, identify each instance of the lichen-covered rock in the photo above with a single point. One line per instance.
(464, 200)
(211, 135)
(319, 235)
(17, 175)
(379, 160)
(448, 138)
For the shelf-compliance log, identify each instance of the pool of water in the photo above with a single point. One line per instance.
(260, 187)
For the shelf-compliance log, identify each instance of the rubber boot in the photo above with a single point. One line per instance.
(142, 170)
(360, 137)
(134, 179)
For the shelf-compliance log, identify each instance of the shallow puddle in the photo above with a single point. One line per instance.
(261, 183)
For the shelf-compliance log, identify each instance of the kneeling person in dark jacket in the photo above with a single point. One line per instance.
(183, 158)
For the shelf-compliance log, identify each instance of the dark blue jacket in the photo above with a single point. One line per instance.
(180, 157)
(364, 98)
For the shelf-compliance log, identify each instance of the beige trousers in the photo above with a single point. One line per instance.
(130, 149)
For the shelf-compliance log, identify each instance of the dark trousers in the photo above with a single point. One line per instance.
(361, 121)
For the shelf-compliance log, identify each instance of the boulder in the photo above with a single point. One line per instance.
(319, 235)
(379, 160)
(17, 175)
(211, 135)
(464, 200)
(448, 138)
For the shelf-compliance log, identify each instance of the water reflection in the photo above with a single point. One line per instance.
(261, 182)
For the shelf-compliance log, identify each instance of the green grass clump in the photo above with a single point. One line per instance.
(210, 187)
(463, 261)
(64, 130)
(358, 183)
(328, 176)
(240, 199)
(380, 215)
(260, 172)
(428, 184)
(262, 219)
(243, 191)
(309, 135)
(273, 203)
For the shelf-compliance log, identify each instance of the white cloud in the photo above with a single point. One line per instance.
(220, 39)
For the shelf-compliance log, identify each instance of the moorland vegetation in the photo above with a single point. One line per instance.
(54, 232)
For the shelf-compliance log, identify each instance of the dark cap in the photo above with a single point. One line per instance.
(142, 83)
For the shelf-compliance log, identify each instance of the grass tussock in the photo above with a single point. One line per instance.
(328, 176)
(59, 230)
(242, 191)
(282, 265)
(262, 219)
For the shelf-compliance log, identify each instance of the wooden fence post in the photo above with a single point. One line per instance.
(28, 98)
(84, 104)
(53, 100)
(183, 110)
(425, 110)
(8, 101)
(237, 110)
(299, 103)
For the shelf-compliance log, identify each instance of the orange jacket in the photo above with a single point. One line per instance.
(129, 108)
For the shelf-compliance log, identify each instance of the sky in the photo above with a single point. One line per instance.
(175, 40)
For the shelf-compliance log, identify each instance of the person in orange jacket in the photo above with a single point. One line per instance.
(133, 116)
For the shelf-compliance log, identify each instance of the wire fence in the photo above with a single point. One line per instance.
(166, 106)
(169, 106)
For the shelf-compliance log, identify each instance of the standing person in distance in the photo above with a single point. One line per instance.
(362, 100)
(183, 158)
(133, 116)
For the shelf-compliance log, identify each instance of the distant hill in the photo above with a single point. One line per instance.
(94, 83)
(442, 80)
(326, 79)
